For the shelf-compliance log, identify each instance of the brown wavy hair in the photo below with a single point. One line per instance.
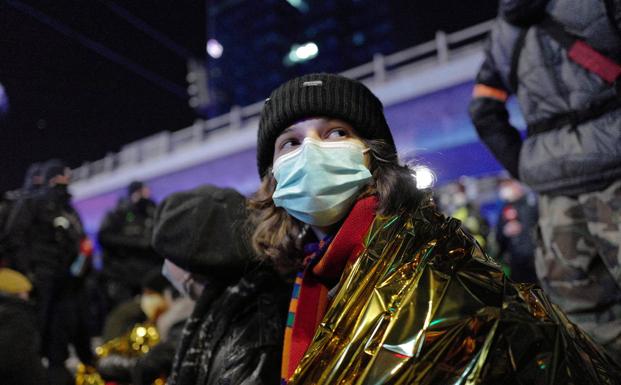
(279, 238)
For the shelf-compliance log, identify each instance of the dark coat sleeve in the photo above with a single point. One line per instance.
(251, 352)
(18, 226)
(491, 120)
(257, 366)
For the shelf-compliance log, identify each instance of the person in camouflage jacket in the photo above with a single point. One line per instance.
(571, 155)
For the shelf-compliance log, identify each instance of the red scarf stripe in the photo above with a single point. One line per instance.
(312, 301)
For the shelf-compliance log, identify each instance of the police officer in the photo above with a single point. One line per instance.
(49, 238)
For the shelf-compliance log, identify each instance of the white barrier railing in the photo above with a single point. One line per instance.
(164, 143)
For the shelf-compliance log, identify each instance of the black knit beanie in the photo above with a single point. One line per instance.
(322, 94)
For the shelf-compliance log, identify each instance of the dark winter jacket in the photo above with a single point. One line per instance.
(125, 236)
(46, 233)
(20, 363)
(235, 334)
(576, 155)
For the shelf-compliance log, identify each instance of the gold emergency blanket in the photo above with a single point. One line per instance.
(136, 343)
(423, 304)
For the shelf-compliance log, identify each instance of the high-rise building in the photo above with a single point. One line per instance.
(259, 38)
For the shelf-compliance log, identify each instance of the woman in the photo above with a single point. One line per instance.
(388, 289)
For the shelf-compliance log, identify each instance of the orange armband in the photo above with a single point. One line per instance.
(483, 91)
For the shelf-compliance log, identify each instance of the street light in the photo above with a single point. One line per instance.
(301, 53)
(214, 48)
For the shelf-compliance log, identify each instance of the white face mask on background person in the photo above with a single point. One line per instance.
(152, 304)
(182, 280)
(459, 199)
(509, 193)
(318, 182)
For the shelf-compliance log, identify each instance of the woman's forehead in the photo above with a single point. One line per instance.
(304, 124)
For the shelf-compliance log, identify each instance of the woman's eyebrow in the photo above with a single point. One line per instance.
(336, 122)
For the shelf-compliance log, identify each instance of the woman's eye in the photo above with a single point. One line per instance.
(289, 143)
(337, 133)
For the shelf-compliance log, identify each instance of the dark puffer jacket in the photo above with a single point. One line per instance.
(46, 234)
(572, 158)
(235, 335)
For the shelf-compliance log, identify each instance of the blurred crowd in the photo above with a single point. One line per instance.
(65, 321)
(339, 269)
(501, 214)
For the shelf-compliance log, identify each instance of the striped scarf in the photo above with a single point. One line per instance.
(324, 263)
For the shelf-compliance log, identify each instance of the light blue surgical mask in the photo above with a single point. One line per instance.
(318, 182)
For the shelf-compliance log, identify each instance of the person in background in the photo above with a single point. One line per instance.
(455, 203)
(235, 333)
(143, 352)
(122, 318)
(388, 290)
(515, 230)
(20, 359)
(560, 59)
(49, 238)
(157, 363)
(11, 203)
(125, 236)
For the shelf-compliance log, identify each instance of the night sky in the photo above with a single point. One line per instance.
(69, 102)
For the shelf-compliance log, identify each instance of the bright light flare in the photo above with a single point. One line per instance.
(307, 51)
(300, 53)
(425, 177)
(214, 48)
(301, 5)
